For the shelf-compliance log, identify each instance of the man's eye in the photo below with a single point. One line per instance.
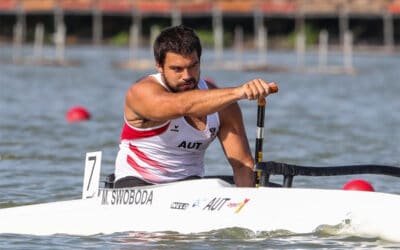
(177, 69)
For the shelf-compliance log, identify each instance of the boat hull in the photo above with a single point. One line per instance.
(203, 205)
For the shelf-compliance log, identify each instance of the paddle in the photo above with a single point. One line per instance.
(260, 135)
(258, 152)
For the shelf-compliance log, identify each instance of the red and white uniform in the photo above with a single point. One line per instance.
(169, 152)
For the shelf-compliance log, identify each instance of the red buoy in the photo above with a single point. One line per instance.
(77, 114)
(359, 184)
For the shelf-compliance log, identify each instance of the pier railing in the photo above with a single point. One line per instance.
(282, 7)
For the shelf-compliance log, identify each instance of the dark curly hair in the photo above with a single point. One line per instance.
(177, 39)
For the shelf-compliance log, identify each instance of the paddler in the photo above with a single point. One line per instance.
(171, 117)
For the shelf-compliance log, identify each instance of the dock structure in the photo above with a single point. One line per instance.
(299, 11)
(93, 17)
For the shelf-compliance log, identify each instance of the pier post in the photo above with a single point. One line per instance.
(218, 31)
(348, 51)
(300, 49)
(58, 16)
(17, 42)
(137, 22)
(260, 36)
(343, 23)
(238, 44)
(21, 21)
(59, 40)
(323, 50)
(299, 22)
(154, 31)
(262, 44)
(388, 33)
(38, 43)
(97, 26)
(176, 16)
(133, 41)
(258, 22)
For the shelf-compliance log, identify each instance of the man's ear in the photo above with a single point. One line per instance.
(159, 68)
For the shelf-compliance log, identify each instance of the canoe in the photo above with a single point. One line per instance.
(203, 205)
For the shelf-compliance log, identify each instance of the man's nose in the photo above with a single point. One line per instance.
(186, 74)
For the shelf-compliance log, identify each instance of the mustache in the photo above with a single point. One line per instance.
(190, 81)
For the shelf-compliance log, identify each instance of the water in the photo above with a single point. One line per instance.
(315, 119)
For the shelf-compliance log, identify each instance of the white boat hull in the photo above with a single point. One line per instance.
(210, 204)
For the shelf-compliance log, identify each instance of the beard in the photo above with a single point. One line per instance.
(186, 85)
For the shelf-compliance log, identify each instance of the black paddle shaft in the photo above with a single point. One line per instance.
(260, 130)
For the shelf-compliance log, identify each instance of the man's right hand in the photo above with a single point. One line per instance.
(257, 88)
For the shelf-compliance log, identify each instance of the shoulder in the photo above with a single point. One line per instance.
(145, 85)
(146, 81)
(140, 98)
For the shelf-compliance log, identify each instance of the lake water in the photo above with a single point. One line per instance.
(315, 119)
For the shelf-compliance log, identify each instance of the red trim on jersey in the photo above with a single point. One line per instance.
(143, 157)
(142, 171)
(130, 133)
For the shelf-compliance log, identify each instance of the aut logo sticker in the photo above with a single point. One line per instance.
(216, 204)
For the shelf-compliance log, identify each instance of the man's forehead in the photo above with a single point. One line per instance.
(173, 55)
(178, 59)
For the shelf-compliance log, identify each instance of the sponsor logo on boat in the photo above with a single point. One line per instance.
(216, 204)
(127, 197)
(198, 203)
(238, 205)
(179, 205)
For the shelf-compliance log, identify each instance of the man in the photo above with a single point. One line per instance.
(172, 117)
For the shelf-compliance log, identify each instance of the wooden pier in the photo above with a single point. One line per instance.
(96, 13)
(300, 11)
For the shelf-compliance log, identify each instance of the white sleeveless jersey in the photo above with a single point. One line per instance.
(169, 152)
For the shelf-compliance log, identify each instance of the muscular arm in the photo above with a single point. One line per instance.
(151, 101)
(234, 142)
